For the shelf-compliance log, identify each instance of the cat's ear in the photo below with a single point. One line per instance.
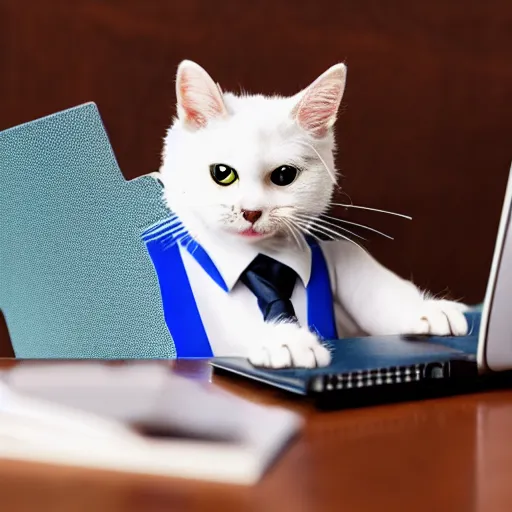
(199, 97)
(317, 106)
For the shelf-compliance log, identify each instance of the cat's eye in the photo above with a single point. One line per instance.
(284, 175)
(223, 174)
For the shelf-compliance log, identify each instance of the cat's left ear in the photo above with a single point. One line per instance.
(317, 106)
(199, 97)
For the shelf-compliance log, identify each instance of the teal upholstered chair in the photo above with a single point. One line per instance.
(76, 280)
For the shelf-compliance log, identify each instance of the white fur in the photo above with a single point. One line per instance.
(255, 135)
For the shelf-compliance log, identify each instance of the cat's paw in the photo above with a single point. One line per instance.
(287, 345)
(441, 318)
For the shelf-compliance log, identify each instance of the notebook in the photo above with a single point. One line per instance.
(138, 418)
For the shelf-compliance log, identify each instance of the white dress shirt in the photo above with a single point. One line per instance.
(226, 315)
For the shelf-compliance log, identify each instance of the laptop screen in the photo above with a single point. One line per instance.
(495, 341)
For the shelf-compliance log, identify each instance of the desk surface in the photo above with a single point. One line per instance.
(445, 454)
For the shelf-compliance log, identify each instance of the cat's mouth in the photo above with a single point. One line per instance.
(252, 233)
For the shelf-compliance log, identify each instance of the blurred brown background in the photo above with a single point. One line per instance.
(426, 128)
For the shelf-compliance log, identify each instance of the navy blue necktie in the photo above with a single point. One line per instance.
(272, 283)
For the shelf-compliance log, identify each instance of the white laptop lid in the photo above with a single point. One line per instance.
(495, 337)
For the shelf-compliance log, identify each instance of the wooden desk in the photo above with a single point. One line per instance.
(449, 454)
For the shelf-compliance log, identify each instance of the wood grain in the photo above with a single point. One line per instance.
(426, 127)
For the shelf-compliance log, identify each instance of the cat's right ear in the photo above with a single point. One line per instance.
(199, 97)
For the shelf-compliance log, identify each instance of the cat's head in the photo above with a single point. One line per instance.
(250, 166)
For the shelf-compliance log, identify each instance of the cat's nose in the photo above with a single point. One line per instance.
(251, 215)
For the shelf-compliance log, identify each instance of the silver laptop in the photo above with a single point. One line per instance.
(495, 335)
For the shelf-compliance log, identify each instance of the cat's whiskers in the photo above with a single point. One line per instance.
(327, 224)
(313, 222)
(289, 231)
(296, 233)
(408, 217)
(304, 225)
(357, 224)
(308, 226)
(305, 229)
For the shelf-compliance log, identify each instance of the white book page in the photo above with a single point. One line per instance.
(81, 414)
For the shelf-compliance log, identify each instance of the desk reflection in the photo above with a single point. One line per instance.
(494, 453)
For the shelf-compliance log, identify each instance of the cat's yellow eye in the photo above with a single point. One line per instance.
(223, 174)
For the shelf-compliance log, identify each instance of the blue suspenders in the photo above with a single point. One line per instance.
(180, 310)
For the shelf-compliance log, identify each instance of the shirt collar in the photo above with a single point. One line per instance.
(231, 257)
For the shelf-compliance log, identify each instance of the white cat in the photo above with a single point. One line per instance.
(254, 134)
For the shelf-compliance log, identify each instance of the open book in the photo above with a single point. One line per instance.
(138, 417)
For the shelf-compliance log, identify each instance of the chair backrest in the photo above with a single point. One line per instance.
(76, 280)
